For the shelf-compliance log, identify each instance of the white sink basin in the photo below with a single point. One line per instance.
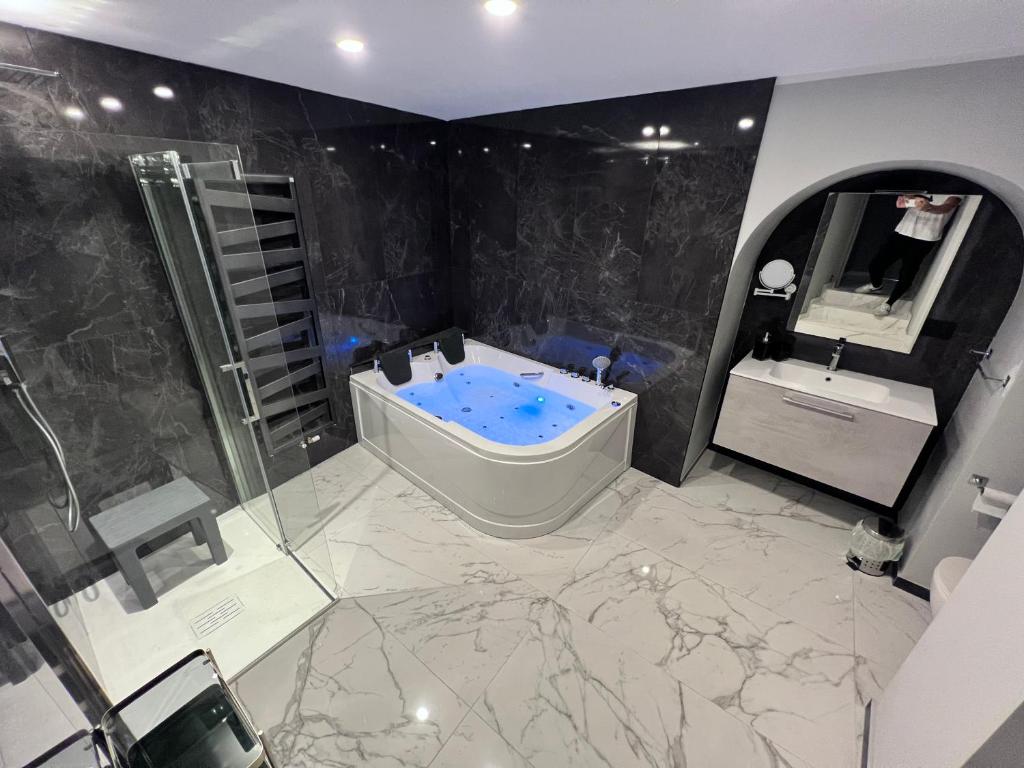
(895, 398)
(820, 380)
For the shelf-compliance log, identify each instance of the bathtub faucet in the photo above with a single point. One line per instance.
(601, 363)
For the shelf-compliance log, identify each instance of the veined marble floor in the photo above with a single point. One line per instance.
(714, 624)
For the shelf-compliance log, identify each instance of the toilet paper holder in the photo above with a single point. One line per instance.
(990, 501)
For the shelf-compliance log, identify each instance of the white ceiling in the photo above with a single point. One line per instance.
(448, 58)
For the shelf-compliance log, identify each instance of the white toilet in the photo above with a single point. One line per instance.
(945, 577)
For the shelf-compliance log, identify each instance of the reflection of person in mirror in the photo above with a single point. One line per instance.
(917, 233)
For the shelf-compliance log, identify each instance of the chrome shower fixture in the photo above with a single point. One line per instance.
(10, 377)
(602, 364)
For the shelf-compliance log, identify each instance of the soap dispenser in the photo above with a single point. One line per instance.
(763, 344)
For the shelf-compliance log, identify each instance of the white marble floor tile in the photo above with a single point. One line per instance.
(773, 503)
(799, 582)
(556, 552)
(888, 621)
(871, 679)
(475, 745)
(394, 548)
(793, 685)
(343, 693)
(463, 634)
(569, 696)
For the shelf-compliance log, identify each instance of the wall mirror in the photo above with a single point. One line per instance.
(877, 264)
(776, 278)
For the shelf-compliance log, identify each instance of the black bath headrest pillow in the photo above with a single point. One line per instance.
(452, 348)
(396, 366)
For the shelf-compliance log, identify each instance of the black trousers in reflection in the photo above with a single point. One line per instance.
(909, 252)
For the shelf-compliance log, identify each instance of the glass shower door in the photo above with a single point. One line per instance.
(241, 276)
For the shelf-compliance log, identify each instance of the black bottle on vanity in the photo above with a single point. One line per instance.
(764, 344)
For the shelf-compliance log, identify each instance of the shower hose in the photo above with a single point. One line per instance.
(74, 514)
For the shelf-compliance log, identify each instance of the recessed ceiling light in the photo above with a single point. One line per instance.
(383, 146)
(647, 130)
(501, 7)
(351, 45)
(111, 104)
(433, 143)
(329, 148)
(422, 713)
(163, 92)
(74, 113)
(664, 130)
(696, 143)
(527, 145)
(487, 149)
(745, 123)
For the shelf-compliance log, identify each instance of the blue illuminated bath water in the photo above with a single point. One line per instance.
(498, 405)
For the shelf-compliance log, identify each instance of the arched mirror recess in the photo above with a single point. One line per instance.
(913, 270)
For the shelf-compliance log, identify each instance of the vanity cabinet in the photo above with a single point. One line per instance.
(861, 450)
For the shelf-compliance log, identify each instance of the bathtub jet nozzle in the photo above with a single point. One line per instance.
(602, 364)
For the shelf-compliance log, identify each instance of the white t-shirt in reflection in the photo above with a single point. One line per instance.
(922, 225)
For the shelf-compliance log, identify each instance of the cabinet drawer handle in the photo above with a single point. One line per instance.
(844, 415)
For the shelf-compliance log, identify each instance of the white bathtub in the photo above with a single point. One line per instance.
(511, 491)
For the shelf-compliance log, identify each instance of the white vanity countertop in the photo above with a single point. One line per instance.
(907, 401)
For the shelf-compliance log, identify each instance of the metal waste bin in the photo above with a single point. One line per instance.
(876, 544)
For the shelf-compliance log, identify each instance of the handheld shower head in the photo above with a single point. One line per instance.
(601, 363)
(9, 374)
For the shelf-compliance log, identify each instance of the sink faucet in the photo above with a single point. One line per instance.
(837, 350)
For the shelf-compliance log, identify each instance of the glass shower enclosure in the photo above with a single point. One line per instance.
(233, 248)
(223, 386)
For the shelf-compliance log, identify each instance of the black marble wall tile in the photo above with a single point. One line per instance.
(979, 289)
(85, 299)
(576, 233)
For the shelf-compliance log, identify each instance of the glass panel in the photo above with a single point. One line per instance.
(269, 314)
(159, 178)
(123, 360)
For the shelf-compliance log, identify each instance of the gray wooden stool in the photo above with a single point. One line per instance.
(129, 525)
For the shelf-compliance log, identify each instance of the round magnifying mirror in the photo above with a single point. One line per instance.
(776, 274)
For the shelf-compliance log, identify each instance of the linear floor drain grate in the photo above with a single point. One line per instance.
(216, 617)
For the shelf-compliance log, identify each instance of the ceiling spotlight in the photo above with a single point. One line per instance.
(501, 7)
(111, 104)
(422, 713)
(696, 143)
(163, 92)
(74, 113)
(664, 130)
(383, 146)
(329, 148)
(433, 143)
(487, 149)
(527, 145)
(351, 45)
(745, 123)
(647, 130)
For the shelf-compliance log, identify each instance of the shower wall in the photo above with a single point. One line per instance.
(86, 303)
(608, 227)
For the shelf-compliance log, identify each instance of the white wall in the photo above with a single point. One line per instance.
(965, 677)
(964, 119)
